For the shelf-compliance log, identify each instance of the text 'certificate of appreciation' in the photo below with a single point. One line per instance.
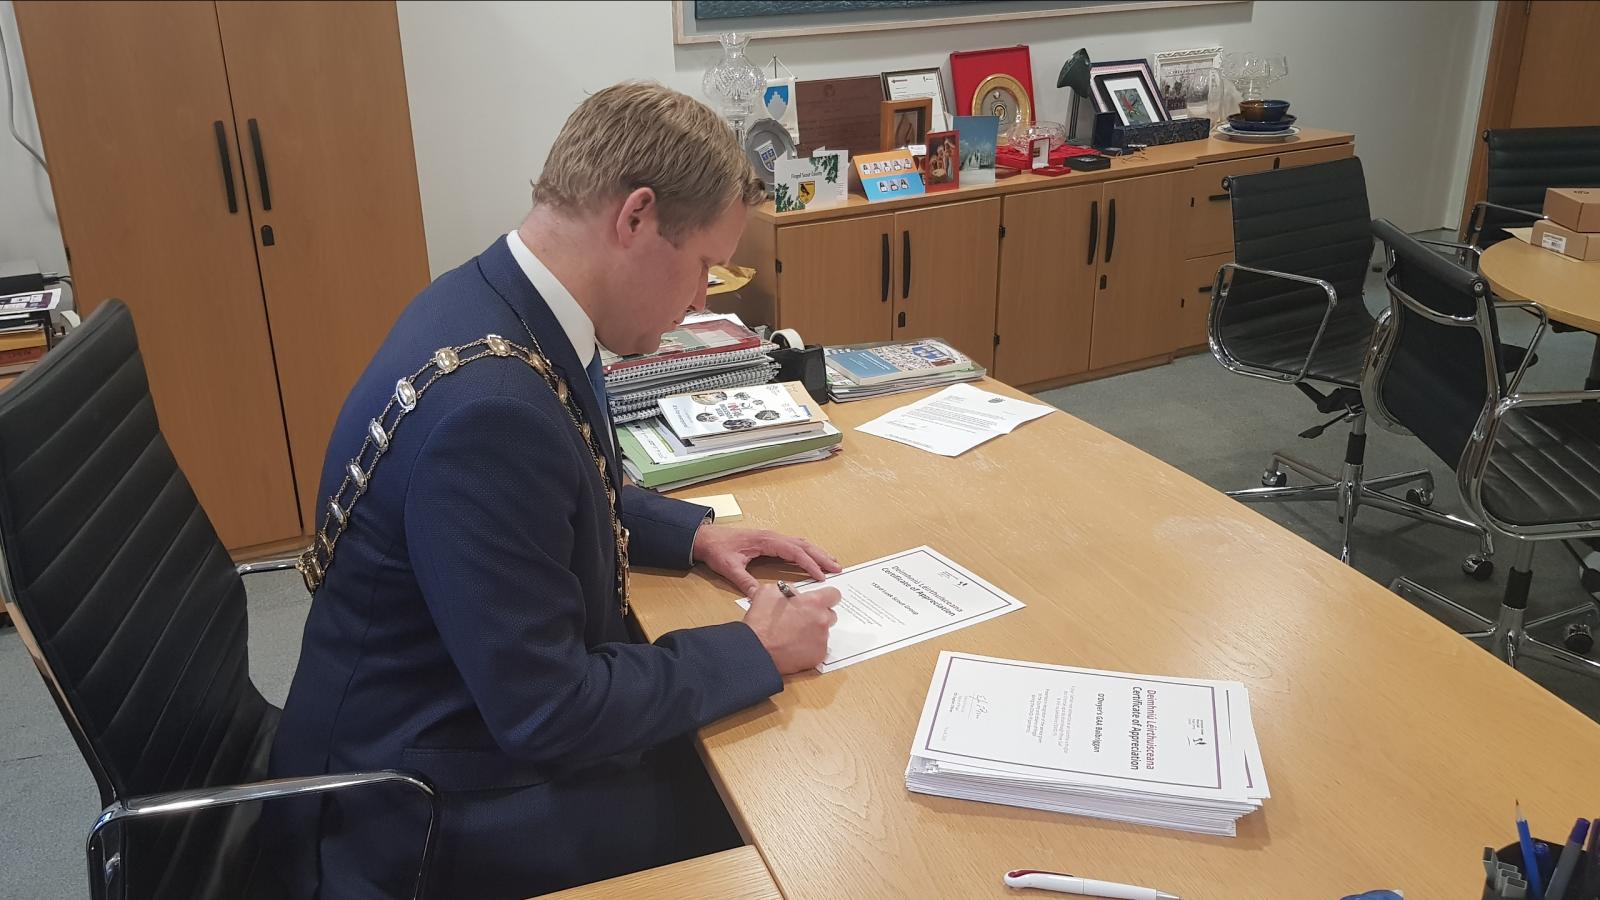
(902, 599)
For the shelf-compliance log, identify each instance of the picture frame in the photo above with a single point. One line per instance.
(1172, 66)
(941, 167)
(909, 84)
(901, 119)
(1127, 87)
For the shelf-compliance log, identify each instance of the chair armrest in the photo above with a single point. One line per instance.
(1480, 211)
(1463, 251)
(186, 802)
(1233, 363)
(1538, 312)
(267, 565)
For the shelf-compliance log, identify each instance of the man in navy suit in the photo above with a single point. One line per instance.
(468, 621)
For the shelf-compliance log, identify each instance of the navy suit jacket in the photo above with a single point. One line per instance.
(468, 626)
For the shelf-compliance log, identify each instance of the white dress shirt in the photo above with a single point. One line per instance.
(573, 320)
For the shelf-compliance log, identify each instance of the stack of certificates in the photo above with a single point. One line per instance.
(1170, 752)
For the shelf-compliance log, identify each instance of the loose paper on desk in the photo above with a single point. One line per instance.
(903, 599)
(954, 420)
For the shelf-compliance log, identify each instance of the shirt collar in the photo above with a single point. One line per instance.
(573, 320)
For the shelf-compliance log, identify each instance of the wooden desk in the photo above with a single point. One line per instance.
(1394, 748)
(730, 875)
(1568, 289)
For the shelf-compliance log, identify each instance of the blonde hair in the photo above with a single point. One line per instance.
(641, 134)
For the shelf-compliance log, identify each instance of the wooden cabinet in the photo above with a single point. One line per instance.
(1194, 298)
(1048, 262)
(1134, 304)
(242, 175)
(1044, 280)
(949, 257)
(920, 273)
(836, 279)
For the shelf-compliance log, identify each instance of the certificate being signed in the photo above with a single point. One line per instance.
(901, 599)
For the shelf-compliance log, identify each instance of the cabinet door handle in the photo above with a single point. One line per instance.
(884, 263)
(1094, 229)
(1111, 229)
(905, 262)
(1219, 198)
(1205, 289)
(227, 165)
(261, 166)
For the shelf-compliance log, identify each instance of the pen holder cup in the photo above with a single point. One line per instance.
(806, 366)
(1511, 854)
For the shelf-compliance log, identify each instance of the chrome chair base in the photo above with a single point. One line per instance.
(1509, 637)
(1351, 489)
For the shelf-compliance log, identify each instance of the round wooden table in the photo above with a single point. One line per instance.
(1568, 289)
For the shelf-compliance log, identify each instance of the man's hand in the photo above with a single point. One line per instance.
(795, 632)
(729, 552)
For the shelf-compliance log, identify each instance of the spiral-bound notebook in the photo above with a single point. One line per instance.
(625, 380)
(641, 404)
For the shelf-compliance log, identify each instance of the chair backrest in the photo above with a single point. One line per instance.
(125, 596)
(1436, 363)
(1523, 162)
(1308, 220)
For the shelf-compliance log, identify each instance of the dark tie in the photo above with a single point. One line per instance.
(597, 382)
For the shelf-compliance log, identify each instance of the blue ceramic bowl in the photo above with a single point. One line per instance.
(1273, 110)
(1240, 123)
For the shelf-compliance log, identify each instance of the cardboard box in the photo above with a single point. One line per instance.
(1565, 241)
(1575, 208)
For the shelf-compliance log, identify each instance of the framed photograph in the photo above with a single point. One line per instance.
(911, 84)
(941, 168)
(1183, 80)
(1127, 88)
(904, 122)
(1039, 152)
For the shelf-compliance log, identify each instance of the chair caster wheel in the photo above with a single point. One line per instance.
(1273, 479)
(1419, 497)
(1478, 568)
(1578, 639)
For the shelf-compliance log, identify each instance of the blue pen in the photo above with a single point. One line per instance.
(1530, 859)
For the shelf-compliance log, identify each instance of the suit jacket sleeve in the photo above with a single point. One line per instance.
(661, 529)
(489, 527)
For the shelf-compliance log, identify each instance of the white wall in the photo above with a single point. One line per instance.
(28, 227)
(491, 83)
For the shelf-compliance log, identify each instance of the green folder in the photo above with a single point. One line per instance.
(651, 474)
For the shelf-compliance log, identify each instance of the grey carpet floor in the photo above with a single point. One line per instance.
(1214, 425)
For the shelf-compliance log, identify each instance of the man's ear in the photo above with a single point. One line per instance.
(637, 217)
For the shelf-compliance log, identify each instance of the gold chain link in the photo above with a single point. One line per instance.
(315, 561)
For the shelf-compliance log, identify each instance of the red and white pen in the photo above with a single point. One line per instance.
(1083, 887)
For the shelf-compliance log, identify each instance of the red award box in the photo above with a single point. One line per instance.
(969, 69)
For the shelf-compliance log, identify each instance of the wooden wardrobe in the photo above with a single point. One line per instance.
(241, 174)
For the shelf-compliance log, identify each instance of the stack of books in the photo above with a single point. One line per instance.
(706, 353)
(859, 371)
(708, 434)
(1175, 753)
(25, 329)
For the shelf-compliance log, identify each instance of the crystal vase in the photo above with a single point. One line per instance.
(734, 84)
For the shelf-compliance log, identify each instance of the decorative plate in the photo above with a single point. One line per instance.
(1002, 96)
(1272, 138)
(765, 142)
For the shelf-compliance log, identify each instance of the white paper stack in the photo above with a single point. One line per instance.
(1170, 752)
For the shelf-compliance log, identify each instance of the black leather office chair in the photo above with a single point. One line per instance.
(1521, 164)
(1528, 464)
(135, 617)
(1290, 309)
